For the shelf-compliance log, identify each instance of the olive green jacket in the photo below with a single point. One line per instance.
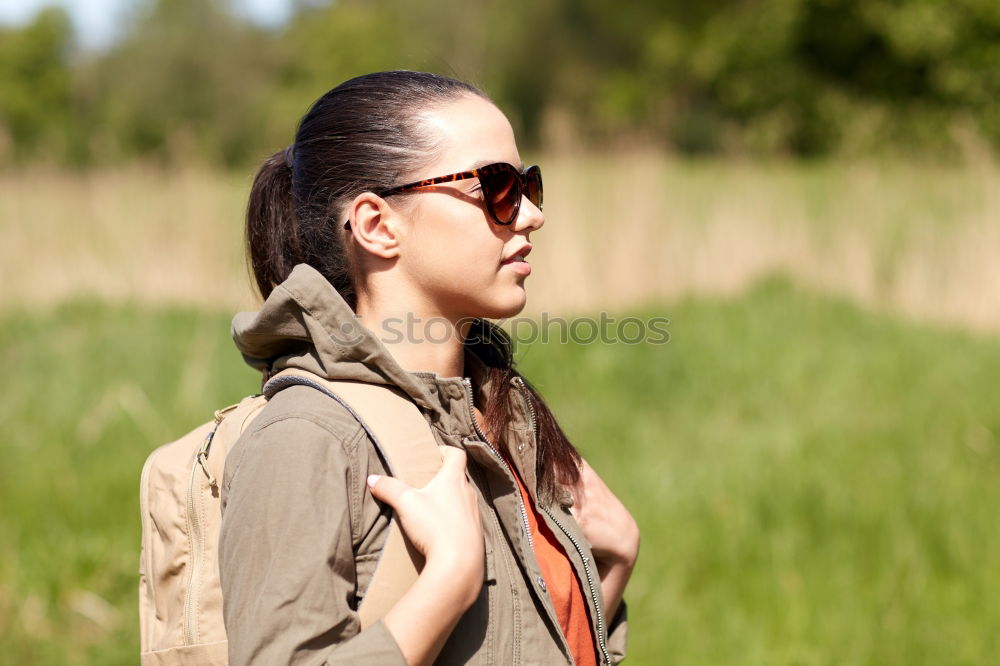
(301, 534)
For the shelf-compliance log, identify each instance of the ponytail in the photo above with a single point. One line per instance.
(272, 233)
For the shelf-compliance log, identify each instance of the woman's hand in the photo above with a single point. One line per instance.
(442, 521)
(612, 532)
(442, 518)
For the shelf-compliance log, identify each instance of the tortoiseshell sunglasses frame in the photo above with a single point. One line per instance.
(522, 180)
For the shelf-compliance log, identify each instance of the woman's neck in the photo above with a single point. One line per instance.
(418, 341)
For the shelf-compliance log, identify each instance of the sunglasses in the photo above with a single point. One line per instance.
(502, 184)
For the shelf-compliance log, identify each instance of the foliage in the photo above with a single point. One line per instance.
(815, 484)
(35, 83)
(193, 79)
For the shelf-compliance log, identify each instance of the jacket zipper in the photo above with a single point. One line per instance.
(475, 425)
(602, 643)
(590, 583)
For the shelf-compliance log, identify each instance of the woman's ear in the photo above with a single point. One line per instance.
(375, 225)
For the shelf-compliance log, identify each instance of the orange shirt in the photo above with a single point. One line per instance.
(562, 584)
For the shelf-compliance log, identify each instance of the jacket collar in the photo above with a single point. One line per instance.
(306, 324)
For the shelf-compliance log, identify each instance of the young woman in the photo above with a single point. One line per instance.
(403, 206)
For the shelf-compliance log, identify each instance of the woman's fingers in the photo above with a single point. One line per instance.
(453, 461)
(387, 489)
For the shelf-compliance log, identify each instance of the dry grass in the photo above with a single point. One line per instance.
(919, 239)
(133, 234)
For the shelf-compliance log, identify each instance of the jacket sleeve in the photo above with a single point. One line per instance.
(286, 555)
(618, 634)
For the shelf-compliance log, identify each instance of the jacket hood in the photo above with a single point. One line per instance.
(306, 324)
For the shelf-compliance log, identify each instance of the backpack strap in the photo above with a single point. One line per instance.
(403, 438)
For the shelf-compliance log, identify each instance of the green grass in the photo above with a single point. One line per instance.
(815, 484)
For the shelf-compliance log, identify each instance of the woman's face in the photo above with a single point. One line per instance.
(450, 248)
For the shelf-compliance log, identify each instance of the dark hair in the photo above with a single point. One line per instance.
(364, 135)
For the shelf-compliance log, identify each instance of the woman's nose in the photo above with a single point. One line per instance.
(529, 217)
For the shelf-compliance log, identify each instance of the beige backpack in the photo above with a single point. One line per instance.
(180, 597)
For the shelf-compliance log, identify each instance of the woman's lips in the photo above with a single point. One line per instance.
(518, 265)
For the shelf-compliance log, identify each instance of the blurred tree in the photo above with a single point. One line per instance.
(190, 79)
(36, 86)
(188, 82)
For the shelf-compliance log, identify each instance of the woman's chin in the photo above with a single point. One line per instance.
(507, 307)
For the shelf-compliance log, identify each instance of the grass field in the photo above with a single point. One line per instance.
(816, 484)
